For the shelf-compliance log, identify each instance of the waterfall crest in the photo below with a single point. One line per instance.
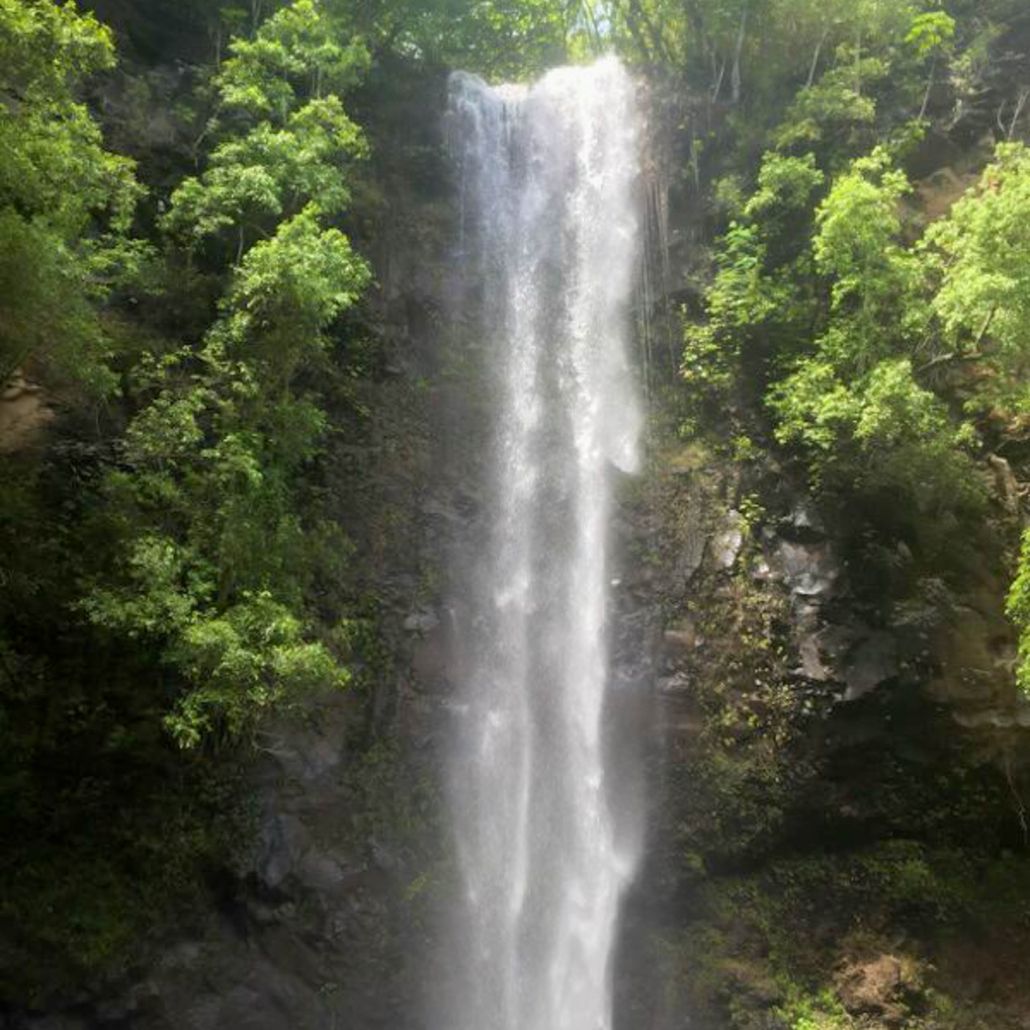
(550, 235)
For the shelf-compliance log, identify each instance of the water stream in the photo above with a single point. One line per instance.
(550, 241)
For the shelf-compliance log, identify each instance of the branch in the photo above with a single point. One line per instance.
(974, 355)
(987, 325)
(1023, 96)
(946, 359)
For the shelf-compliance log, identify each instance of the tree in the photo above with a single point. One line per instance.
(980, 270)
(289, 136)
(215, 556)
(826, 308)
(931, 37)
(759, 298)
(875, 306)
(854, 405)
(980, 256)
(877, 433)
(66, 203)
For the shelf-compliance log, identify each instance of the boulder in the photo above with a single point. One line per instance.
(873, 662)
(729, 541)
(803, 525)
(811, 570)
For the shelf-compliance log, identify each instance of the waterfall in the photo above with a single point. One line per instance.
(549, 179)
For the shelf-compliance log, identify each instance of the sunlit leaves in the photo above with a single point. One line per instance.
(167, 589)
(854, 406)
(931, 31)
(835, 106)
(246, 661)
(753, 299)
(300, 51)
(219, 556)
(873, 278)
(254, 180)
(982, 253)
(842, 319)
(980, 262)
(299, 280)
(878, 431)
(65, 201)
(785, 185)
(1018, 609)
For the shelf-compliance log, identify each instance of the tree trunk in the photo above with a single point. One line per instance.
(735, 79)
(633, 23)
(717, 84)
(929, 89)
(858, 64)
(815, 58)
(592, 27)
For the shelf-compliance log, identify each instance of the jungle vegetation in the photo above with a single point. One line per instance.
(171, 570)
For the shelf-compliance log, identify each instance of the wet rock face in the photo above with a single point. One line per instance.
(809, 569)
(872, 662)
(806, 727)
(310, 936)
(729, 540)
(319, 920)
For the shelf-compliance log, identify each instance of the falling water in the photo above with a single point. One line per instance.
(549, 181)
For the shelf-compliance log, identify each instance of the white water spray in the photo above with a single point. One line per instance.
(549, 228)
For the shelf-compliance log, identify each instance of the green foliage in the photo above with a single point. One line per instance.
(857, 247)
(500, 39)
(248, 659)
(931, 32)
(165, 558)
(739, 301)
(835, 106)
(216, 556)
(877, 431)
(978, 261)
(855, 405)
(820, 1012)
(850, 389)
(290, 134)
(803, 74)
(297, 52)
(785, 187)
(753, 301)
(981, 259)
(844, 322)
(66, 203)
(508, 38)
(1018, 609)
